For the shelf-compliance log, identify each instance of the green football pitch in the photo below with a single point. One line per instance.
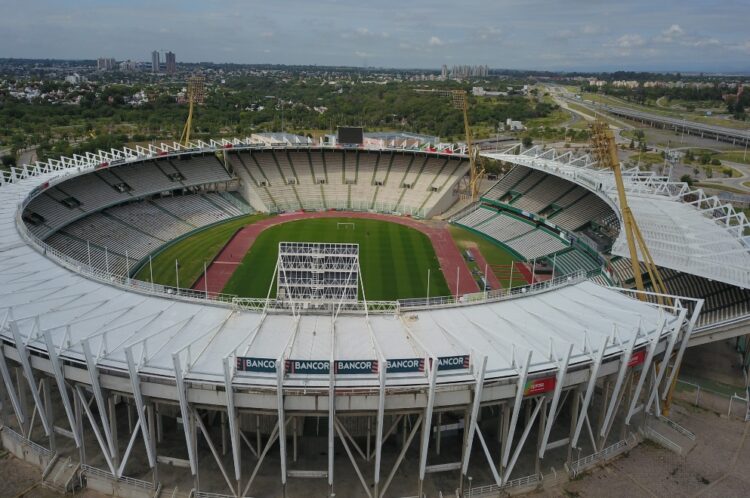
(394, 259)
(191, 252)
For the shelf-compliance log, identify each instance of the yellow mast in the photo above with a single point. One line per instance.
(605, 148)
(461, 102)
(195, 94)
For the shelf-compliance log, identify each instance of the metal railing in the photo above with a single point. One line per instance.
(677, 427)
(36, 448)
(661, 439)
(494, 490)
(131, 481)
(589, 461)
(262, 304)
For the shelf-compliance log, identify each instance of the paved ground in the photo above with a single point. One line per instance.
(221, 269)
(718, 465)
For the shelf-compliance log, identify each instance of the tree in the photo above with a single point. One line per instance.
(8, 161)
(687, 179)
(527, 141)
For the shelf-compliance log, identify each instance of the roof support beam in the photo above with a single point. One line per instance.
(261, 458)
(57, 370)
(23, 354)
(135, 382)
(282, 420)
(233, 422)
(562, 370)
(379, 429)
(516, 407)
(476, 405)
(644, 371)
(524, 436)
(615, 399)
(96, 388)
(427, 424)
(18, 408)
(215, 453)
(97, 434)
(400, 457)
(594, 372)
(342, 437)
(665, 361)
(184, 411)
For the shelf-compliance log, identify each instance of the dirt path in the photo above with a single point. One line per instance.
(221, 269)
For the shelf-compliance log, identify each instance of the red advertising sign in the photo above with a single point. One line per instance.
(637, 358)
(539, 386)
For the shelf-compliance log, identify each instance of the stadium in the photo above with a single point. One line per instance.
(236, 318)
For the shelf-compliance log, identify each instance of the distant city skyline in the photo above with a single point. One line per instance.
(575, 35)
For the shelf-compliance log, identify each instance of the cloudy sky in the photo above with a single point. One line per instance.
(686, 35)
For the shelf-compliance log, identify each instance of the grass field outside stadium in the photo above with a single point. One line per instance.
(394, 259)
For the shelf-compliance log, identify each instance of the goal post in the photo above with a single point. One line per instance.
(345, 225)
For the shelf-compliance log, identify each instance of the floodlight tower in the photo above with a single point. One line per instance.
(461, 102)
(196, 93)
(605, 150)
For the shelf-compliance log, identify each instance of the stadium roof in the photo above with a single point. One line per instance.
(47, 298)
(685, 229)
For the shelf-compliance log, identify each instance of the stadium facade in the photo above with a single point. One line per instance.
(136, 388)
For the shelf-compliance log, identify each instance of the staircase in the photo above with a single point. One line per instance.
(62, 475)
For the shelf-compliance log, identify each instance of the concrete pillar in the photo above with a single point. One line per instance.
(541, 423)
(48, 410)
(112, 409)
(223, 423)
(294, 439)
(4, 402)
(151, 414)
(23, 399)
(504, 426)
(439, 432)
(77, 409)
(159, 423)
(194, 442)
(574, 414)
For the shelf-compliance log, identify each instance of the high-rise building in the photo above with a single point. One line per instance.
(171, 63)
(105, 64)
(444, 72)
(155, 61)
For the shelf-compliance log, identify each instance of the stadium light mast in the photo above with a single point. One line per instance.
(196, 93)
(461, 102)
(605, 149)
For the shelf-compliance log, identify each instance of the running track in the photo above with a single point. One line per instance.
(229, 258)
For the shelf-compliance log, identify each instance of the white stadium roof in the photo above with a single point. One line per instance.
(47, 297)
(685, 229)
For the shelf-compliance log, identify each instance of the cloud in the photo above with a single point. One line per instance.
(490, 33)
(563, 35)
(630, 41)
(673, 31)
(266, 34)
(592, 29)
(435, 41)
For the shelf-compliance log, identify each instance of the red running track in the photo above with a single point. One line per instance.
(229, 258)
(492, 279)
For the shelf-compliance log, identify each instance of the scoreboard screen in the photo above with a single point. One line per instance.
(350, 135)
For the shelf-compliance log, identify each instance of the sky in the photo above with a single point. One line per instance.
(571, 35)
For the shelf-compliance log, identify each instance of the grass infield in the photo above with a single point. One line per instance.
(393, 258)
(192, 251)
